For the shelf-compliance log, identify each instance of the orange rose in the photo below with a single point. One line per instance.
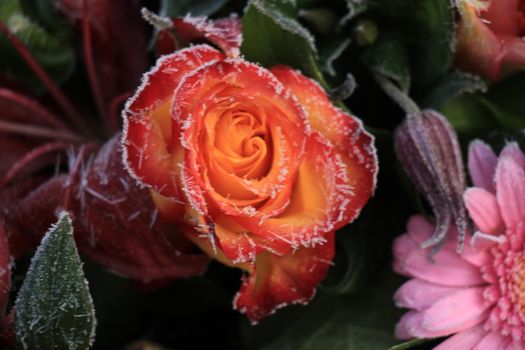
(256, 166)
(490, 37)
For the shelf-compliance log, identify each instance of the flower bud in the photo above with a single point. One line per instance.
(489, 37)
(428, 148)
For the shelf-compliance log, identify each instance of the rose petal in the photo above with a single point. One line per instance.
(225, 33)
(503, 17)
(212, 91)
(150, 150)
(478, 50)
(276, 281)
(510, 183)
(513, 54)
(465, 340)
(323, 198)
(484, 210)
(482, 165)
(344, 131)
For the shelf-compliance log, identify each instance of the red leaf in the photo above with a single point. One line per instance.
(114, 219)
(115, 45)
(118, 226)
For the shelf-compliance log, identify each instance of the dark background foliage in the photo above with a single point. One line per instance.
(407, 41)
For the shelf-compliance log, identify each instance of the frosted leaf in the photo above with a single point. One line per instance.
(54, 309)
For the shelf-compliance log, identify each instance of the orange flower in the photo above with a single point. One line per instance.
(256, 166)
(490, 37)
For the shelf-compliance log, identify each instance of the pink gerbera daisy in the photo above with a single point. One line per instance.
(477, 296)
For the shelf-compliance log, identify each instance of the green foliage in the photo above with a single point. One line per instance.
(364, 320)
(285, 40)
(175, 8)
(54, 309)
(427, 27)
(452, 85)
(52, 47)
(388, 56)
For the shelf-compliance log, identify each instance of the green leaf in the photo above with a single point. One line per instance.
(177, 8)
(427, 27)
(475, 115)
(54, 309)
(364, 320)
(54, 50)
(272, 35)
(469, 116)
(508, 94)
(450, 86)
(388, 57)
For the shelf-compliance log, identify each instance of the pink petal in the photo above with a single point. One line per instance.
(475, 256)
(408, 326)
(457, 312)
(447, 268)
(516, 345)
(483, 209)
(419, 228)
(418, 294)
(492, 341)
(482, 164)
(403, 246)
(465, 340)
(512, 150)
(510, 183)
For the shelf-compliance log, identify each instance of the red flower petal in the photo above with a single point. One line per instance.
(216, 86)
(276, 281)
(118, 226)
(115, 44)
(323, 199)
(478, 50)
(150, 151)
(345, 132)
(225, 33)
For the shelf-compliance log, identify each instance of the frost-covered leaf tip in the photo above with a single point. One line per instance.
(54, 309)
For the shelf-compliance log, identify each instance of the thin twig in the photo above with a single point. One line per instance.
(38, 131)
(33, 107)
(31, 156)
(53, 89)
(90, 64)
